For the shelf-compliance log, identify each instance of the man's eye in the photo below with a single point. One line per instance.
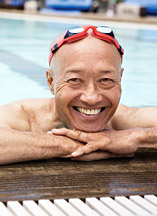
(74, 81)
(107, 82)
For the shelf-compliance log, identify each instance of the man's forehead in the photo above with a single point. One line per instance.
(87, 54)
(87, 46)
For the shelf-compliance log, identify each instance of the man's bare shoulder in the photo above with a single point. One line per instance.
(25, 114)
(130, 117)
(120, 119)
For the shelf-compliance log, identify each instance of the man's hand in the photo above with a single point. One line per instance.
(102, 145)
(64, 146)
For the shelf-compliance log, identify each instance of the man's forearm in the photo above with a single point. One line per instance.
(17, 146)
(148, 138)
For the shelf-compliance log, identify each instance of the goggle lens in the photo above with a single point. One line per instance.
(104, 29)
(76, 30)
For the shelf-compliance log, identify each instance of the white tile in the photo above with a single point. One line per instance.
(144, 204)
(82, 207)
(50, 208)
(128, 204)
(33, 208)
(100, 207)
(66, 207)
(151, 198)
(112, 204)
(4, 211)
(17, 208)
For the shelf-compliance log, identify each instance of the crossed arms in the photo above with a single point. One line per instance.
(132, 129)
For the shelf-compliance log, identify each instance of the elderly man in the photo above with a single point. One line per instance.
(84, 120)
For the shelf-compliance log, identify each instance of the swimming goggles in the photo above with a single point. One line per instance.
(101, 32)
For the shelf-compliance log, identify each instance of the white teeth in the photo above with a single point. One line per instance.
(88, 111)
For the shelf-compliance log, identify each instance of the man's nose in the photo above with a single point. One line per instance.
(91, 95)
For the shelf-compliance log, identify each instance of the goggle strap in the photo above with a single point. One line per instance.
(117, 44)
(109, 39)
(57, 45)
(122, 50)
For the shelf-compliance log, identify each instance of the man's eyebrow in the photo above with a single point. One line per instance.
(106, 71)
(74, 71)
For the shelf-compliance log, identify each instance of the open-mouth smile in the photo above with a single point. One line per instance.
(87, 111)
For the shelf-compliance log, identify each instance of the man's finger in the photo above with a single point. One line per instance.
(60, 131)
(73, 134)
(92, 146)
(80, 151)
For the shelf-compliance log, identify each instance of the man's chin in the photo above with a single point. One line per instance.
(89, 128)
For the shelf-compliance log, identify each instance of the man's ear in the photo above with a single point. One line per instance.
(50, 80)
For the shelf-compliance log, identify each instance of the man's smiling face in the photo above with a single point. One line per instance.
(86, 83)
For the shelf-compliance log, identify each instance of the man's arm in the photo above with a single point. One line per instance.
(18, 144)
(132, 117)
(134, 128)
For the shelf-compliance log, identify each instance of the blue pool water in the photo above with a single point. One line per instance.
(24, 50)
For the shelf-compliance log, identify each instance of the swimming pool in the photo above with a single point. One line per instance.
(24, 50)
